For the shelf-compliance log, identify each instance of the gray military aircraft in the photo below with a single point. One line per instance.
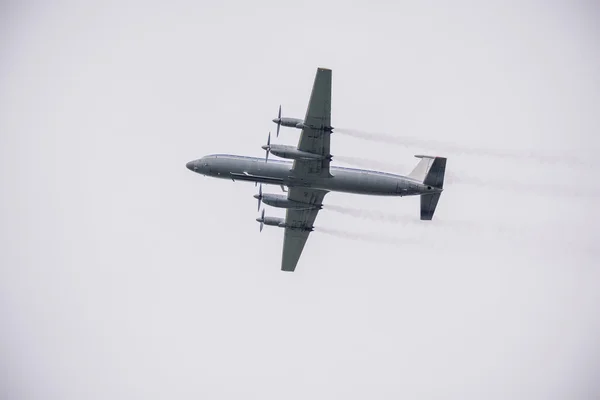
(310, 177)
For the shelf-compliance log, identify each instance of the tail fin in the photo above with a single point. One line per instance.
(422, 168)
(430, 171)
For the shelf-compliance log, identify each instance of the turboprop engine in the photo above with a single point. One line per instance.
(280, 222)
(281, 201)
(285, 151)
(291, 152)
(285, 121)
(272, 221)
(296, 123)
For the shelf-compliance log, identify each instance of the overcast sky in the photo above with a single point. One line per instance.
(124, 275)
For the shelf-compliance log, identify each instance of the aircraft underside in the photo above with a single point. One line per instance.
(309, 176)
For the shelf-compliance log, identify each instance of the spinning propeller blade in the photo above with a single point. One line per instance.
(259, 197)
(262, 220)
(279, 120)
(268, 147)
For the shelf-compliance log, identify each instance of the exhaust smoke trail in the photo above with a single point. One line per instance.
(382, 216)
(461, 178)
(368, 237)
(374, 215)
(514, 233)
(554, 189)
(482, 232)
(407, 141)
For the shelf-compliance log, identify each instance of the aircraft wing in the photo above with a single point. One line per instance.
(316, 134)
(298, 224)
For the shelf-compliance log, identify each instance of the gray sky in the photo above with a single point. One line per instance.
(124, 275)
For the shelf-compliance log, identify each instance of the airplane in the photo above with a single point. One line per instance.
(309, 176)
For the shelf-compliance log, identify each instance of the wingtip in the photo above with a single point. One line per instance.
(287, 268)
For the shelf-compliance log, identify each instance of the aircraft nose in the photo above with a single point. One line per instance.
(276, 120)
(190, 165)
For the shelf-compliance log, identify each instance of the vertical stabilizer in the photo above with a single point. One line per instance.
(420, 171)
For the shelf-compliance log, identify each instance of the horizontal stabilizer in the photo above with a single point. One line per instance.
(428, 204)
(430, 171)
(435, 175)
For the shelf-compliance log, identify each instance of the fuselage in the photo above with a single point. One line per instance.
(278, 172)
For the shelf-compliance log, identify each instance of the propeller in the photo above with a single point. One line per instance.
(278, 120)
(259, 196)
(261, 220)
(267, 147)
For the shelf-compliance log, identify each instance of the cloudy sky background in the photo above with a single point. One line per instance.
(124, 275)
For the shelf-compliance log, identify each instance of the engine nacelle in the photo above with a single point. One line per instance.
(289, 122)
(291, 152)
(274, 221)
(281, 201)
(299, 124)
(280, 223)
